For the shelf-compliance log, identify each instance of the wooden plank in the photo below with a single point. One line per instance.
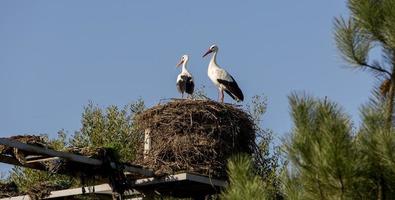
(184, 185)
(180, 177)
(43, 160)
(23, 197)
(152, 182)
(102, 189)
(49, 152)
(32, 157)
(205, 180)
(13, 161)
(139, 170)
(97, 189)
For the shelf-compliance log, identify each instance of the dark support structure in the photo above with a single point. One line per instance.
(180, 185)
(50, 154)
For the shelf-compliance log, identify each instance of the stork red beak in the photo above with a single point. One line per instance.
(181, 61)
(208, 52)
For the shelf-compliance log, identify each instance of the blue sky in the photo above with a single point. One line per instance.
(56, 56)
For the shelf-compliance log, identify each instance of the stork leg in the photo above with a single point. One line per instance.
(182, 95)
(222, 96)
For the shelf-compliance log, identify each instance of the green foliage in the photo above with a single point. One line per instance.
(25, 178)
(320, 150)
(110, 128)
(372, 23)
(257, 108)
(352, 42)
(3, 177)
(266, 156)
(292, 186)
(376, 18)
(243, 182)
(328, 160)
(376, 144)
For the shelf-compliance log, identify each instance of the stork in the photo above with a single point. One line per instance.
(184, 79)
(221, 78)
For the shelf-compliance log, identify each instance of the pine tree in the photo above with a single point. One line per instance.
(320, 151)
(243, 182)
(375, 144)
(372, 26)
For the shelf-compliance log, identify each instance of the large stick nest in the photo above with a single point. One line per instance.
(194, 136)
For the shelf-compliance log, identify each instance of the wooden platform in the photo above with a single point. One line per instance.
(40, 154)
(184, 185)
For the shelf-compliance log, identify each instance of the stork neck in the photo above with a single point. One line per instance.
(184, 67)
(213, 61)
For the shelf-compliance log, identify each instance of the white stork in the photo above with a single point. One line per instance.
(184, 79)
(221, 78)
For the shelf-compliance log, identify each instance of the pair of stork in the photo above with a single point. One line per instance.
(220, 77)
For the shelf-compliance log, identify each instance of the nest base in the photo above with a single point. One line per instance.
(194, 136)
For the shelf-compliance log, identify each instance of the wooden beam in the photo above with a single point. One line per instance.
(180, 177)
(49, 152)
(42, 160)
(139, 170)
(13, 161)
(205, 180)
(97, 189)
(102, 189)
(105, 189)
(57, 155)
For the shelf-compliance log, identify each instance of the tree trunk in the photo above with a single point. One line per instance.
(390, 105)
(389, 122)
(381, 189)
(390, 97)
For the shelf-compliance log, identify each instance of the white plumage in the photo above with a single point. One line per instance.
(221, 78)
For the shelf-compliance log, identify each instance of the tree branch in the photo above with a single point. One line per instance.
(372, 67)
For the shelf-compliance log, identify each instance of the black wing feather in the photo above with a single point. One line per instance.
(185, 84)
(232, 89)
(189, 85)
(181, 86)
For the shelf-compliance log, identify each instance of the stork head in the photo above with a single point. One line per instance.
(213, 48)
(183, 60)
